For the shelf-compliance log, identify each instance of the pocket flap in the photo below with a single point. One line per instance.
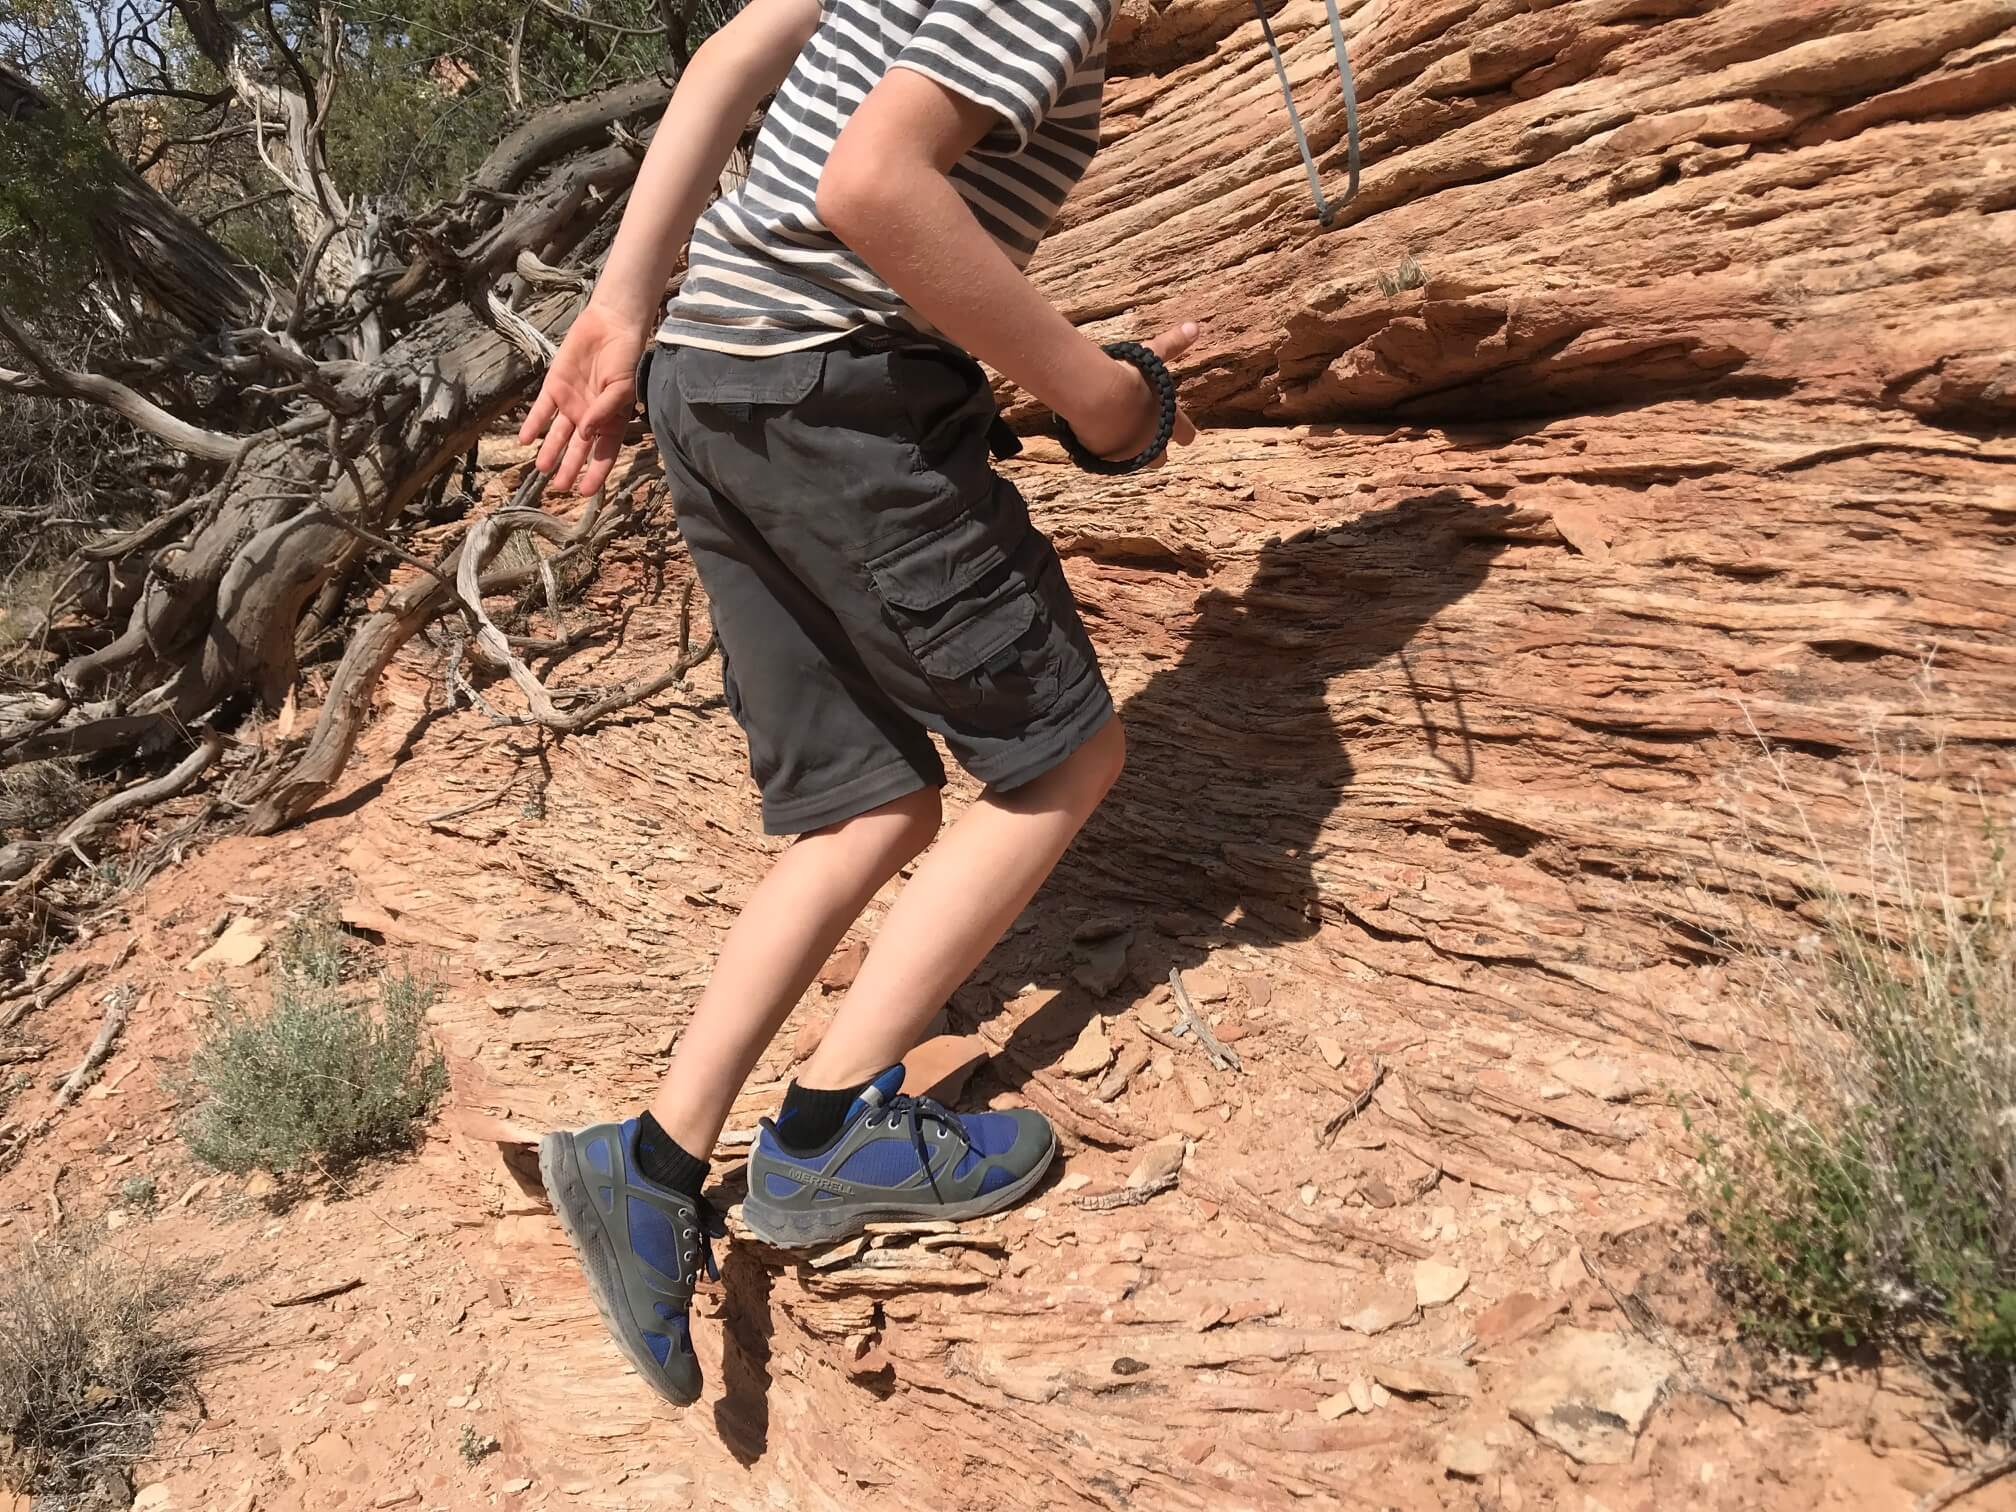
(708, 377)
(936, 567)
(974, 643)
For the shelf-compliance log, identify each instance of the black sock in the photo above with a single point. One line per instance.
(661, 1159)
(811, 1116)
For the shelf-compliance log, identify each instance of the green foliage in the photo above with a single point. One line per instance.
(474, 1447)
(139, 1192)
(1870, 1196)
(93, 1347)
(323, 1079)
(52, 164)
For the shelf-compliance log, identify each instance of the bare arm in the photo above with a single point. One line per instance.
(588, 396)
(887, 193)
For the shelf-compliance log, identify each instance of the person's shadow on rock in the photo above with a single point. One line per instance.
(1240, 754)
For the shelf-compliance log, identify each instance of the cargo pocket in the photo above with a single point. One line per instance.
(972, 622)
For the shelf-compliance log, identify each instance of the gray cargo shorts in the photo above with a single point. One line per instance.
(873, 581)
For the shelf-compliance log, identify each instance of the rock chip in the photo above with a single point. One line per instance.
(1092, 1053)
(1599, 1078)
(1590, 1394)
(239, 945)
(1433, 1378)
(1436, 1282)
(1105, 965)
(1331, 1051)
(1467, 1457)
(1516, 1317)
(1379, 1309)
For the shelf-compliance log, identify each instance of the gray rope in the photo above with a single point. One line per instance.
(1326, 212)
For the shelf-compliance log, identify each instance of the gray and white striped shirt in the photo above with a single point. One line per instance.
(764, 275)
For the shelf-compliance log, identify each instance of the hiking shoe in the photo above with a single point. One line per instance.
(895, 1157)
(641, 1246)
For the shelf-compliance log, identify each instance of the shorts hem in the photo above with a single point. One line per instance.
(1045, 748)
(851, 799)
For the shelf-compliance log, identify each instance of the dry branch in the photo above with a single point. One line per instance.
(1192, 1023)
(486, 537)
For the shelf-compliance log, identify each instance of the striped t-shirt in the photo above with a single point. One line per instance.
(764, 275)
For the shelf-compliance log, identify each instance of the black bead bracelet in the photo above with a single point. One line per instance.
(1157, 373)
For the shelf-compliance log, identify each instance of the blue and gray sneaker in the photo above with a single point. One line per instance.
(641, 1245)
(895, 1157)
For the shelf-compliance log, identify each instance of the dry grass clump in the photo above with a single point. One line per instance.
(94, 1347)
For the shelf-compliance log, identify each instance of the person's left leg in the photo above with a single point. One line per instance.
(956, 907)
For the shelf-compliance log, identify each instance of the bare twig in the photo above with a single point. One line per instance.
(36, 1000)
(118, 1004)
(1358, 1104)
(1130, 1196)
(1965, 1484)
(1192, 1023)
(60, 382)
(319, 1294)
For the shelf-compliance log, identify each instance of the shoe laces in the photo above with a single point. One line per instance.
(912, 1114)
(707, 1226)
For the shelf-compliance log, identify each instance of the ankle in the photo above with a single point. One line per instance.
(665, 1161)
(812, 1117)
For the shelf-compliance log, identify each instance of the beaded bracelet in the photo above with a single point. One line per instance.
(1157, 373)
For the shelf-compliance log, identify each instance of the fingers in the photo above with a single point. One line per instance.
(555, 447)
(1185, 432)
(602, 453)
(1175, 341)
(610, 410)
(536, 419)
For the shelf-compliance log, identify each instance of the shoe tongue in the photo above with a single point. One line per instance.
(877, 1092)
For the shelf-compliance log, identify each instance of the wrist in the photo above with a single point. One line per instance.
(1092, 385)
(625, 311)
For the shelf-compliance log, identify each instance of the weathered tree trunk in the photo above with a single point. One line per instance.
(151, 251)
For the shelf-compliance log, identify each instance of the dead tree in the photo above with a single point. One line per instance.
(401, 340)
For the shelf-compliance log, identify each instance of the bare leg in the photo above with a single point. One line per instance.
(956, 906)
(787, 930)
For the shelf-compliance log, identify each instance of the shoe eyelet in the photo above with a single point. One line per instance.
(940, 1133)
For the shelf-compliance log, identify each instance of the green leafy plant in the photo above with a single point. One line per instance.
(1868, 1193)
(323, 1079)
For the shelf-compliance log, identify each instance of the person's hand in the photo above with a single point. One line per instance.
(586, 401)
(1125, 421)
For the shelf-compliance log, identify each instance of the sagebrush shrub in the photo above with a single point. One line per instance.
(324, 1078)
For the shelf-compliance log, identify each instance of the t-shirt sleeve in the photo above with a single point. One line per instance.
(1013, 56)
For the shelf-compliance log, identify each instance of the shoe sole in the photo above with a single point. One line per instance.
(809, 1228)
(560, 1173)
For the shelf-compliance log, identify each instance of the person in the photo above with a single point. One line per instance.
(828, 439)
